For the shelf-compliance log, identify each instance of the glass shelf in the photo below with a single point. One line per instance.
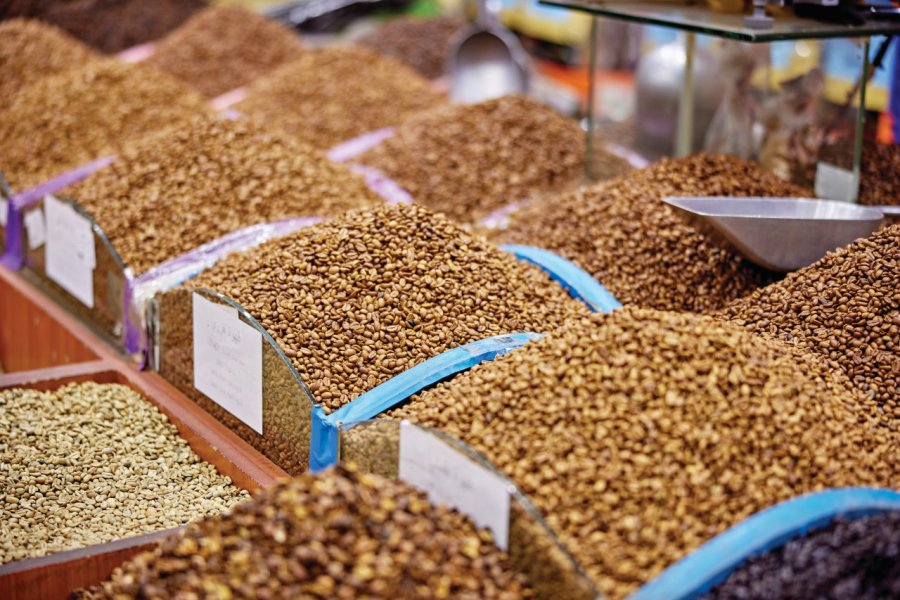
(699, 19)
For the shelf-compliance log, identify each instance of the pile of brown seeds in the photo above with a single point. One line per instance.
(361, 298)
(90, 463)
(63, 121)
(114, 25)
(222, 48)
(642, 434)
(331, 95)
(217, 176)
(857, 559)
(845, 308)
(31, 50)
(336, 534)
(468, 160)
(879, 181)
(422, 44)
(640, 249)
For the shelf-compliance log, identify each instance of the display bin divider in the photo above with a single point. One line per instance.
(570, 276)
(324, 435)
(454, 474)
(14, 253)
(710, 564)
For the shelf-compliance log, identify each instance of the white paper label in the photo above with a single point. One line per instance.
(455, 480)
(4, 207)
(69, 255)
(834, 183)
(34, 228)
(228, 361)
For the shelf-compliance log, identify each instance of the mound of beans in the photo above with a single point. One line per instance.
(647, 255)
(642, 434)
(331, 95)
(361, 298)
(845, 309)
(217, 176)
(857, 559)
(879, 181)
(63, 121)
(91, 463)
(222, 48)
(337, 534)
(421, 44)
(31, 50)
(469, 160)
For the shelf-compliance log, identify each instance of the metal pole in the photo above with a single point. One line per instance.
(685, 136)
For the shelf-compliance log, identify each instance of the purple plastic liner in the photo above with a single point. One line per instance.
(356, 146)
(383, 185)
(14, 257)
(138, 290)
(634, 159)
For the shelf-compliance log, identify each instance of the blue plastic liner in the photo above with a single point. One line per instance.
(324, 435)
(570, 276)
(699, 572)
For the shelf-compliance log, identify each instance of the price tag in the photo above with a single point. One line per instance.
(455, 480)
(835, 183)
(228, 361)
(4, 207)
(69, 255)
(34, 228)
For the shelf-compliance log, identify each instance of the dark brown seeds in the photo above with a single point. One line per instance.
(422, 44)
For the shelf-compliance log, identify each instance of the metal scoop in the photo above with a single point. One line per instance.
(487, 61)
(782, 234)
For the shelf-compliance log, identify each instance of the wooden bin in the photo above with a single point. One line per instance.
(36, 333)
(57, 575)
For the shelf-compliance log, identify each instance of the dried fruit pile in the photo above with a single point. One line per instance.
(642, 434)
(640, 249)
(63, 121)
(90, 463)
(114, 25)
(332, 95)
(365, 296)
(848, 560)
(31, 50)
(216, 176)
(337, 534)
(845, 308)
(879, 181)
(468, 160)
(422, 44)
(222, 48)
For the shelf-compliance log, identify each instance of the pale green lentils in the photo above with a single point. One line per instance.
(91, 463)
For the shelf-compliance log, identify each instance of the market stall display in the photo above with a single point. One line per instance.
(350, 303)
(32, 50)
(222, 48)
(63, 121)
(89, 463)
(640, 434)
(421, 44)
(469, 160)
(331, 95)
(843, 309)
(337, 534)
(622, 233)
